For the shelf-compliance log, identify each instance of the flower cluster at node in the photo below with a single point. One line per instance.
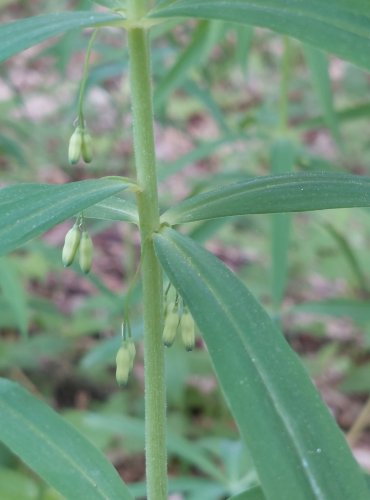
(177, 317)
(78, 239)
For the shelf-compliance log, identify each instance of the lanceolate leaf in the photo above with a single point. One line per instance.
(298, 450)
(338, 26)
(28, 210)
(114, 208)
(54, 450)
(19, 35)
(275, 194)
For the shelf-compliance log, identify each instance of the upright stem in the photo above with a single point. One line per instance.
(147, 198)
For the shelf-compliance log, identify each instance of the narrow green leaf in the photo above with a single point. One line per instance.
(19, 35)
(348, 253)
(53, 449)
(114, 208)
(349, 113)
(28, 210)
(338, 26)
(13, 292)
(203, 150)
(244, 37)
(130, 427)
(319, 68)
(203, 93)
(296, 446)
(356, 310)
(282, 160)
(204, 39)
(274, 194)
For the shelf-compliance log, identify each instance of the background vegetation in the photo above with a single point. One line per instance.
(229, 102)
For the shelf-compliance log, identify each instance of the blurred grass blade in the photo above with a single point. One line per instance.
(133, 428)
(28, 210)
(244, 37)
(19, 35)
(274, 194)
(348, 254)
(203, 150)
(11, 148)
(53, 449)
(357, 380)
(15, 485)
(113, 208)
(282, 160)
(255, 493)
(356, 310)
(205, 37)
(204, 95)
(319, 67)
(297, 449)
(14, 294)
(111, 4)
(338, 26)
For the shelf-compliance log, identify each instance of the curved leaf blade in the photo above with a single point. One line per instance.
(54, 449)
(114, 208)
(274, 194)
(28, 210)
(297, 449)
(20, 35)
(338, 26)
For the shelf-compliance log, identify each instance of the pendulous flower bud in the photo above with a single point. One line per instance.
(71, 244)
(132, 351)
(123, 363)
(86, 252)
(86, 147)
(75, 146)
(171, 323)
(188, 331)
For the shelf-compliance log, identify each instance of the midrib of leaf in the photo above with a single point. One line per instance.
(44, 437)
(263, 377)
(238, 188)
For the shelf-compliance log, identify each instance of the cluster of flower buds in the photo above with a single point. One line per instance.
(78, 239)
(177, 316)
(125, 361)
(80, 144)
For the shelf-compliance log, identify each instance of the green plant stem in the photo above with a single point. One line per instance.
(147, 198)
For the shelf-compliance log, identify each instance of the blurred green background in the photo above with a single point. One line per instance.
(230, 103)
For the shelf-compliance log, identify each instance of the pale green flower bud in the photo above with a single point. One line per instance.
(86, 148)
(123, 363)
(171, 323)
(188, 331)
(71, 244)
(75, 146)
(132, 350)
(86, 252)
